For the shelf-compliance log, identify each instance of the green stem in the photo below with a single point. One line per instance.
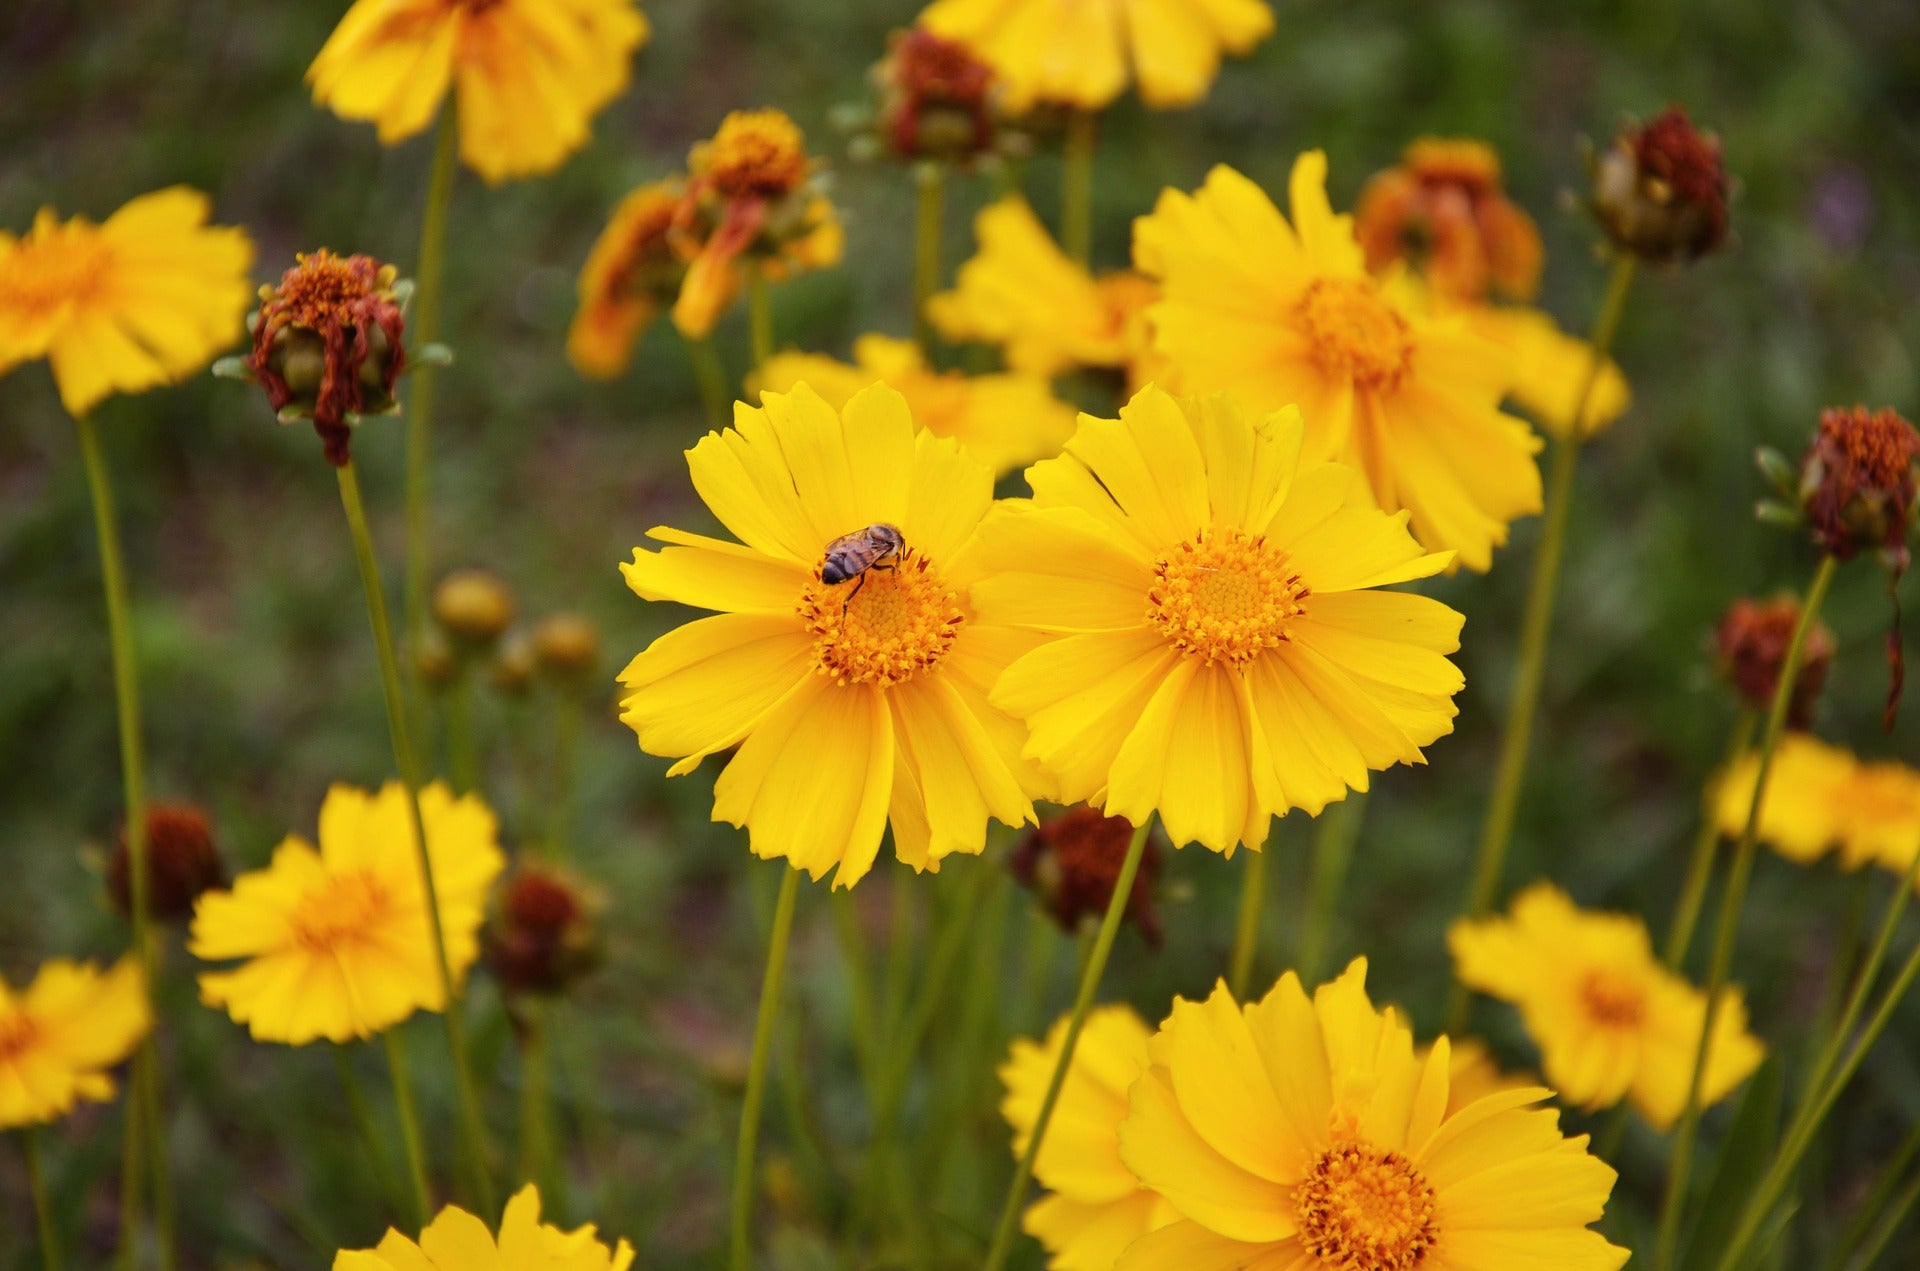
(1693, 893)
(1536, 625)
(1089, 987)
(363, 1121)
(132, 1170)
(472, 1126)
(759, 316)
(147, 1073)
(931, 185)
(42, 1211)
(1726, 928)
(711, 378)
(1246, 931)
(424, 328)
(1076, 187)
(463, 755)
(566, 747)
(1896, 1215)
(409, 1118)
(741, 1242)
(1870, 1210)
(536, 1104)
(1333, 839)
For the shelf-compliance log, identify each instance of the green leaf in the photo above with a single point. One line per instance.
(1744, 1155)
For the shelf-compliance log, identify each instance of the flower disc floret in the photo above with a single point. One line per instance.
(902, 621)
(1354, 334)
(1225, 596)
(1365, 1208)
(755, 154)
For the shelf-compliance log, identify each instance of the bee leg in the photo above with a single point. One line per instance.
(857, 585)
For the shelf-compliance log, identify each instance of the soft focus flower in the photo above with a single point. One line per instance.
(566, 648)
(145, 299)
(473, 606)
(1660, 190)
(1473, 1074)
(1611, 1022)
(856, 704)
(1072, 862)
(1444, 211)
(60, 1035)
(1216, 651)
(1303, 1134)
(632, 273)
(1286, 314)
(936, 98)
(1048, 314)
(751, 200)
(529, 75)
(1095, 1207)
(1820, 797)
(1084, 53)
(337, 941)
(1750, 648)
(458, 1241)
(1004, 421)
(543, 936)
(1858, 479)
(1548, 369)
(182, 862)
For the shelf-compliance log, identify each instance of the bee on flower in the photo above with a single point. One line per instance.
(458, 1241)
(63, 1034)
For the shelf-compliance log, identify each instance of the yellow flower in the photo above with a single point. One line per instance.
(857, 703)
(1821, 796)
(1611, 1021)
(1305, 1135)
(530, 75)
(1048, 314)
(1549, 369)
(1097, 1207)
(1084, 52)
(60, 1036)
(1882, 814)
(337, 940)
(1280, 314)
(1473, 1074)
(632, 273)
(145, 299)
(1214, 649)
(1004, 421)
(458, 1241)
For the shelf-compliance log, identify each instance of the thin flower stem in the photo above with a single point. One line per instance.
(1076, 187)
(126, 697)
(1686, 915)
(741, 1228)
(759, 316)
(42, 1211)
(1089, 986)
(1246, 931)
(1334, 836)
(409, 1118)
(711, 378)
(425, 328)
(537, 1163)
(472, 1126)
(147, 1074)
(363, 1121)
(1536, 625)
(1876, 1205)
(930, 181)
(463, 754)
(1896, 1215)
(566, 748)
(132, 1171)
(1727, 927)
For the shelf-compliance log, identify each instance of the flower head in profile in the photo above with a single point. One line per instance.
(1004, 421)
(336, 941)
(1822, 797)
(846, 658)
(1444, 211)
(1072, 863)
(1047, 314)
(1858, 482)
(183, 863)
(62, 1034)
(458, 1241)
(1660, 190)
(1217, 649)
(1285, 313)
(1084, 53)
(145, 298)
(1304, 1133)
(1095, 1207)
(1750, 648)
(528, 75)
(633, 273)
(1611, 1022)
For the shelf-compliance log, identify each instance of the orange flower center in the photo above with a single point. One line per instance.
(756, 154)
(324, 288)
(1225, 595)
(1471, 165)
(52, 271)
(883, 626)
(1353, 333)
(1613, 999)
(341, 911)
(17, 1035)
(1363, 1209)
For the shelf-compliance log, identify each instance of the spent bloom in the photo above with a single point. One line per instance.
(1858, 479)
(1084, 53)
(1445, 211)
(1821, 797)
(1216, 647)
(1072, 862)
(528, 75)
(1750, 649)
(182, 863)
(543, 935)
(633, 272)
(458, 1241)
(846, 657)
(144, 299)
(336, 941)
(1284, 313)
(936, 98)
(1004, 421)
(1660, 190)
(62, 1034)
(1611, 1022)
(1304, 1133)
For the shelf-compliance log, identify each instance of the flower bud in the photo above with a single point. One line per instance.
(935, 98)
(1445, 211)
(513, 667)
(1072, 862)
(473, 607)
(543, 936)
(1660, 190)
(566, 647)
(182, 863)
(1857, 482)
(1750, 647)
(433, 661)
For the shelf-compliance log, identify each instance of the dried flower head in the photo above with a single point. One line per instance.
(936, 98)
(1444, 210)
(1072, 862)
(473, 607)
(543, 936)
(182, 862)
(566, 647)
(1660, 190)
(1750, 647)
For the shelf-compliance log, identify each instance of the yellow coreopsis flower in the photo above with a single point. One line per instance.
(632, 273)
(1304, 1134)
(1097, 1207)
(1084, 53)
(1473, 1073)
(337, 940)
(1281, 313)
(1550, 368)
(1821, 796)
(856, 703)
(1611, 1022)
(145, 299)
(528, 75)
(1216, 649)
(458, 1241)
(60, 1036)
(1004, 421)
(1047, 314)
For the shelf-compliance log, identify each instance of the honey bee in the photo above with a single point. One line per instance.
(852, 555)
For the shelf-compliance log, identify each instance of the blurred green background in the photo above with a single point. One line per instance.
(260, 684)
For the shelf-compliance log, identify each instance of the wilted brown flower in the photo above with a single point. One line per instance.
(1071, 862)
(543, 937)
(182, 862)
(935, 98)
(473, 607)
(1444, 210)
(1660, 190)
(1750, 646)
